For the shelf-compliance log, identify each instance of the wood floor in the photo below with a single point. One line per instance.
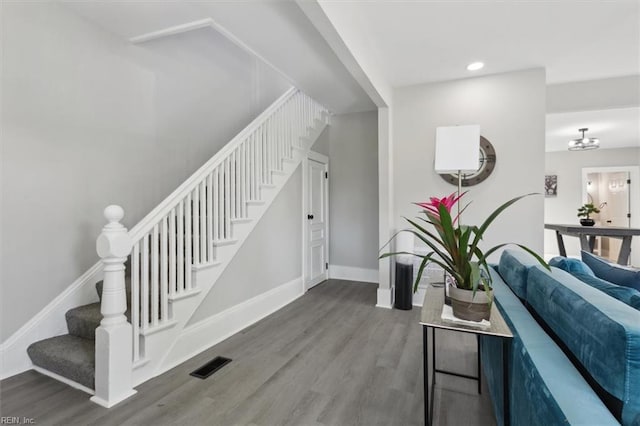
(329, 358)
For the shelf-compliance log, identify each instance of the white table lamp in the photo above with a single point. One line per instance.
(457, 151)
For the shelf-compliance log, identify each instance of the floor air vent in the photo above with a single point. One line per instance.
(211, 367)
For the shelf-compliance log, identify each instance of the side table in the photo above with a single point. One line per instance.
(431, 318)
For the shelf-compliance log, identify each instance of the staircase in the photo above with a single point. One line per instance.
(175, 255)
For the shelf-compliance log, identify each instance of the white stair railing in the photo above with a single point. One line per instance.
(183, 231)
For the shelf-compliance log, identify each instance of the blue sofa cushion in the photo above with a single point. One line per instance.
(514, 266)
(614, 273)
(571, 265)
(545, 388)
(601, 333)
(627, 295)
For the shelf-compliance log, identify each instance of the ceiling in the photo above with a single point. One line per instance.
(616, 128)
(422, 41)
(413, 42)
(276, 30)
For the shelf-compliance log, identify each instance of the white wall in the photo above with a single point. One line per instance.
(510, 109)
(89, 120)
(271, 256)
(353, 190)
(563, 208)
(617, 92)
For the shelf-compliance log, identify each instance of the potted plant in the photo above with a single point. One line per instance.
(455, 248)
(585, 212)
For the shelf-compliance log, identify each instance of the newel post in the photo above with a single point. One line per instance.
(114, 335)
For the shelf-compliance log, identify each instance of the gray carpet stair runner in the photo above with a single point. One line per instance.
(73, 355)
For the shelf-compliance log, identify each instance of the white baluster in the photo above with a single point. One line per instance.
(290, 124)
(114, 335)
(196, 226)
(227, 198)
(180, 248)
(232, 185)
(260, 160)
(145, 283)
(188, 246)
(216, 204)
(278, 140)
(164, 270)
(155, 281)
(243, 179)
(172, 253)
(210, 217)
(135, 300)
(203, 223)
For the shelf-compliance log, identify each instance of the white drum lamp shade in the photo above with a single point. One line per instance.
(404, 243)
(457, 149)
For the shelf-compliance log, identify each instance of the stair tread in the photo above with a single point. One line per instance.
(68, 356)
(83, 320)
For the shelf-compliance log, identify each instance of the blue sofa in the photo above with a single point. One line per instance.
(575, 356)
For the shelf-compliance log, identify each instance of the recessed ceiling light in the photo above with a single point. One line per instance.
(475, 66)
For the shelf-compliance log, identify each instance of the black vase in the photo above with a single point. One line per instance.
(587, 222)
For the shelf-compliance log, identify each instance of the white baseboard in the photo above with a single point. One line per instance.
(49, 322)
(211, 331)
(351, 273)
(385, 298)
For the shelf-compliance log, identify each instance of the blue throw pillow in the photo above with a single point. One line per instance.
(617, 274)
(572, 266)
(627, 295)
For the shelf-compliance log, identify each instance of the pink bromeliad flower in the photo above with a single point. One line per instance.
(434, 204)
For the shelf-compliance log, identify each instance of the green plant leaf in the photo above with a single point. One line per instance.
(431, 245)
(525, 248)
(423, 264)
(398, 253)
(475, 276)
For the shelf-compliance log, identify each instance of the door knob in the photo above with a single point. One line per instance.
(310, 216)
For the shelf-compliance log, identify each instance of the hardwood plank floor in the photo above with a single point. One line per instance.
(329, 358)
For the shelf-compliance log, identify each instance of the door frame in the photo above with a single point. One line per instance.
(323, 159)
(634, 200)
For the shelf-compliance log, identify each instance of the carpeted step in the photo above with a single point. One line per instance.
(83, 320)
(68, 356)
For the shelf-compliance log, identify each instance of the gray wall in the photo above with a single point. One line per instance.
(271, 255)
(353, 190)
(568, 167)
(90, 120)
(510, 109)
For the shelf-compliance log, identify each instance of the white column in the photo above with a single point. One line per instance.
(385, 205)
(114, 335)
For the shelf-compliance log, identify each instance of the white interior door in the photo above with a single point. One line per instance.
(614, 191)
(617, 187)
(316, 229)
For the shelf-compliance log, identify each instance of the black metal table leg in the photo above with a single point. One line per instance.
(425, 361)
(479, 372)
(505, 381)
(433, 354)
(561, 249)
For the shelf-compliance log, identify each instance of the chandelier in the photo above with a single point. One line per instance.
(584, 143)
